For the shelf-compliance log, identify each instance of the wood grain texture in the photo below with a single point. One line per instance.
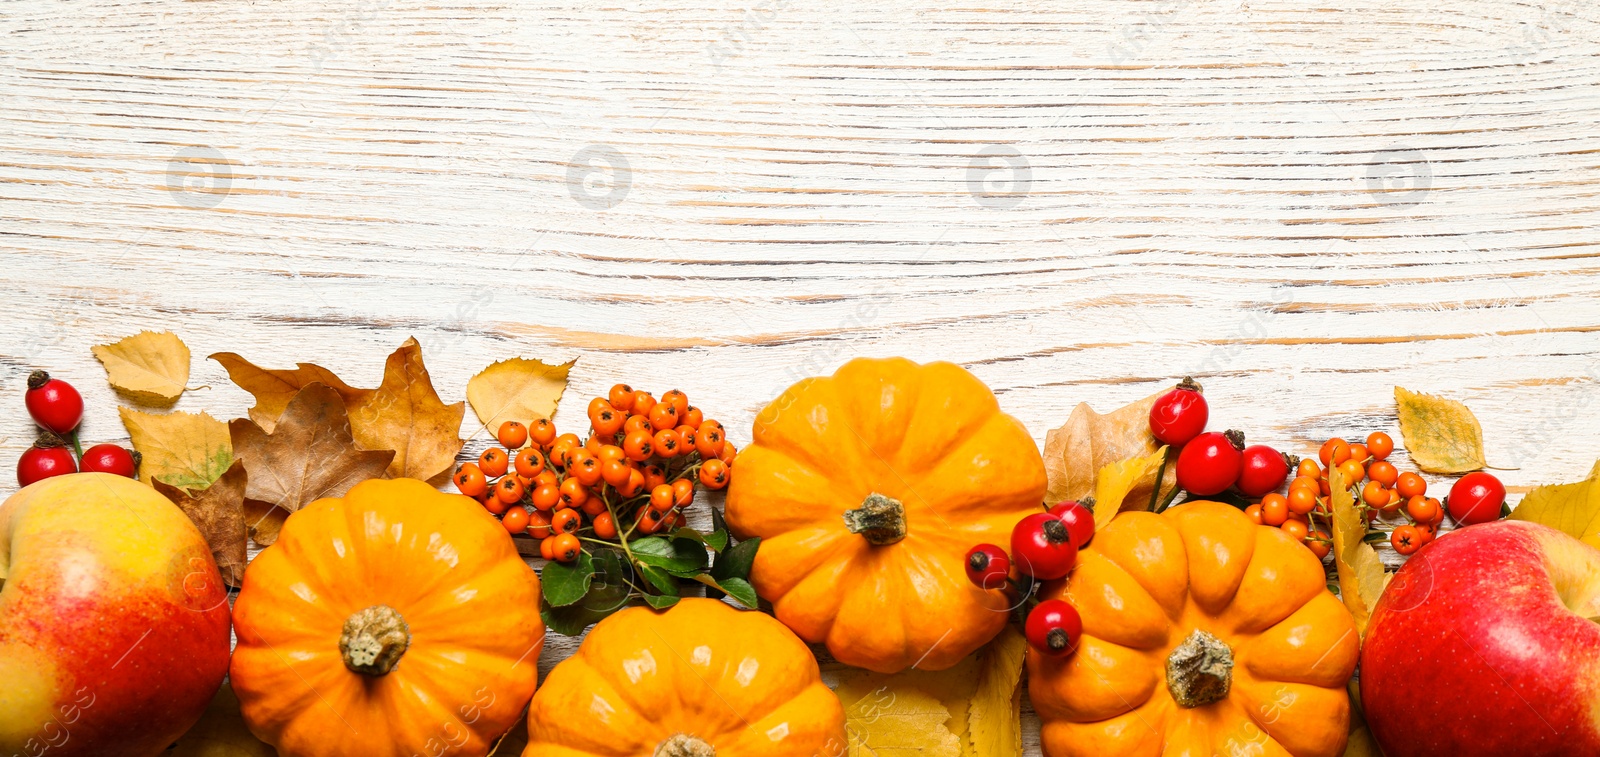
(1301, 203)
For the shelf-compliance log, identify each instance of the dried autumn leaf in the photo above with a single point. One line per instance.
(1361, 575)
(1441, 435)
(1075, 453)
(310, 455)
(994, 723)
(900, 723)
(221, 732)
(274, 388)
(406, 415)
(150, 367)
(1570, 508)
(518, 389)
(218, 511)
(188, 450)
(263, 520)
(1116, 481)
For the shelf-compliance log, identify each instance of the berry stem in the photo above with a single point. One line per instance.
(1161, 473)
(76, 446)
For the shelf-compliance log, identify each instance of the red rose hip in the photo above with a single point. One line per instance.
(1042, 547)
(1179, 415)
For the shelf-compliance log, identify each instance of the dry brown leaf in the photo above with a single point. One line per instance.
(263, 521)
(1571, 508)
(310, 455)
(518, 389)
(1441, 435)
(188, 450)
(221, 732)
(150, 367)
(1113, 486)
(218, 511)
(406, 415)
(994, 723)
(1075, 453)
(274, 388)
(1361, 575)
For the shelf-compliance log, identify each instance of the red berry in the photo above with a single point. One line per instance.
(1262, 470)
(988, 566)
(53, 403)
(1179, 415)
(1042, 547)
(45, 459)
(1053, 627)
(1476, 498)
(1210, 462)
(109, 458)
(1078, 519)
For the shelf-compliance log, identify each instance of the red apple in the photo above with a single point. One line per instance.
(1482, 645)
(114, 621)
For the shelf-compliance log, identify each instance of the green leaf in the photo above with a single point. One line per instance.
(607, 594)
(716, 540)
(658, 602)
(566, 584)
(681, 557)
(738, 588)
(659, 579)
(736, 561)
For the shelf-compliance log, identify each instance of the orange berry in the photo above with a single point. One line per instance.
(1253, 512)
(1379, 445)
(542, 432)
(565, 521)
(654, 476)
(596, 405)
(650, 521)
(1300, 500)
(538, 524)
(515, 520)
(1333, 452)
(1393, 504)
(593, 506)
(1374, 494)
(604, 526)
(634, 486)
(661, 497)
(683, 492)
(544, 548)
(585, 467)
(1296, 529)
(1383, 472)
(1274, 497)
(493, 504)
(1422, 509)
(469, 479)
(611, 452)
(643, 403)
(1358, 453)
(546, 496)
(1320, 544)
(1410, 485)
(573, 493)
(493, 461)
(615, 473)
(714, 474)
(678, 400)
(1425, 531)
(512, 435)
(529, 463)
(692, 417)
(668, 443)
(1274, 513)
(1352, 471)
(621, 397)
(1404, 539)
(608, 422)
(1309, 469)
(1304, 482)
(565, 547)
(509, 490)
(688, 434)
(545, 477)
(728, 453)
(639, 446)
(1438, 511)
(709, 441)
(636, 423)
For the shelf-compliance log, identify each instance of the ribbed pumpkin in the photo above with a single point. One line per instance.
(697, 680)
(867, 488)
(1203, 634)
(393, 622)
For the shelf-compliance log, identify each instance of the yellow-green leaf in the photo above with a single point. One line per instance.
(1441, 435)
(1125, 485)
(1570, 508)
(150, 367)
(994, 722)
(518, 389)
(188, 450)
(1361, 575)
(906, 722)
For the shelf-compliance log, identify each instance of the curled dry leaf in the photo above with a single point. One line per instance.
(1571, 508)
(150, 367)
(1075, 453)
(518, 389)
(274, 388)
(218, 511)
(188, 450)
(406, 415)
(1441, 435)
(1113, 486)
(311, 454)
(1361, 575)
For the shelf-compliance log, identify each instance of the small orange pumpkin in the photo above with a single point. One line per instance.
(1203, 634)
(697, 680)
(393, 622)
(867, 488)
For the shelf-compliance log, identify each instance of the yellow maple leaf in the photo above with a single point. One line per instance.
(1441, 435)
(1571, 508)
(995, 721)
(1361, 575)
(188, 450)
(150, 367)
(905, 722)
(518, 389)
(1125, 485)
(406, 415)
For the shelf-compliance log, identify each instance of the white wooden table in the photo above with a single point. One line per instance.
(1302, 204)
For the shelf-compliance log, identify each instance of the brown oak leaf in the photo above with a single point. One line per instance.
(218, 511)
(310, 454)
(1075, 453)
(274, 388)
(406, 415)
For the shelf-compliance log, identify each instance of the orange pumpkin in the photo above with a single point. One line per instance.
(1203, 634)
(697, 680)
(867, 488)
(394, 622)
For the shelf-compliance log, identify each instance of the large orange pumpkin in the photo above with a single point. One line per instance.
(1203, 634)
(393, 622)
(867, 488)
(697, 680)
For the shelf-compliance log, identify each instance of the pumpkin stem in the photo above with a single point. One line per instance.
(1200, 670)
(684, 745)
(373, 640)
(881, 520)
